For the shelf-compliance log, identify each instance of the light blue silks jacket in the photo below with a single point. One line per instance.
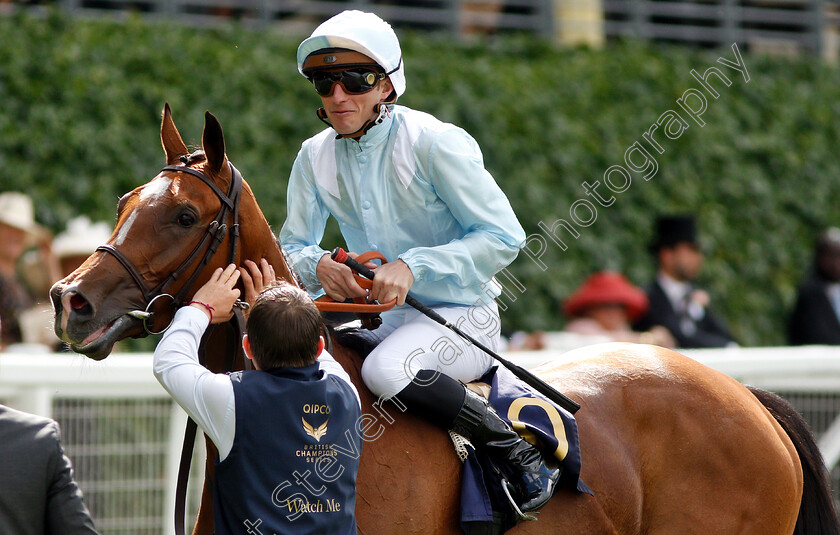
(413, 188)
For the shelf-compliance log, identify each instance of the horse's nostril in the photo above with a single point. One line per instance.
(79, 304)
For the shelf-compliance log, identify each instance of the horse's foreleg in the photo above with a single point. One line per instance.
(204, 522)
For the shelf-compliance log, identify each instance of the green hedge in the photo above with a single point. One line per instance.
(80, 105)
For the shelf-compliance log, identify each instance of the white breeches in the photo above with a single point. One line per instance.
(411, 342)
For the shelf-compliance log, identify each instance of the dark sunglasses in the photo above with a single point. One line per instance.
(355, 82)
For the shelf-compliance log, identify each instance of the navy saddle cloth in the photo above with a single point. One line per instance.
(485, 509)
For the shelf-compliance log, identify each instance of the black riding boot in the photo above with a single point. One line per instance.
(451, 405)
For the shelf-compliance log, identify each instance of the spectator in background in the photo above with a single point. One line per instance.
(40, 269)
(35, 271)
(18, 232)
(38, 494)
(816, 315)
(605, 306)
(675, 302)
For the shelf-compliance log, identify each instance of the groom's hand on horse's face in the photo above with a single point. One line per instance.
(337, 279)
(255, 278)
(220, 293)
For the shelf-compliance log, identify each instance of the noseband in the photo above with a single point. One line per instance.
(209, 243)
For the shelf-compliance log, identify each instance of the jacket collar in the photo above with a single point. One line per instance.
(311, 372)
(376, 134)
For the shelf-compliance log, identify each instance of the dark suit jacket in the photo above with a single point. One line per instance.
(813, 320)
(710, 332)
(38, 495)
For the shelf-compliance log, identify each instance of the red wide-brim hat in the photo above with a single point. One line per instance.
(607, 288)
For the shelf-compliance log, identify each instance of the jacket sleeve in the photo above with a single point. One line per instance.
(205, 396)
(66, 512)
(306, 219)
(493, 234)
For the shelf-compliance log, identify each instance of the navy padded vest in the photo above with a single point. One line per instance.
(282, 475)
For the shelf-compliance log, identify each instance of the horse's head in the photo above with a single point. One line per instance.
(170, 235)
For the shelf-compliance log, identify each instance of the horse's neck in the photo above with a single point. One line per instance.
(257, 240)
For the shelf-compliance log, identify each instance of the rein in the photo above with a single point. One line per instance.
(210, 242)
(359, 305)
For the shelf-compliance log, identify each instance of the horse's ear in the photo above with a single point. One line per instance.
(213, 142)
(173, 145)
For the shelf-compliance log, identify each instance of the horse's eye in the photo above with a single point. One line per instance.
(186, 220)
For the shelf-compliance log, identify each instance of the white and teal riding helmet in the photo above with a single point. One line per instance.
(361, 32)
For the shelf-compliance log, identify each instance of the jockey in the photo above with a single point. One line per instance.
(414, 188)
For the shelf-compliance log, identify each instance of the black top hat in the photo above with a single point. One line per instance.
(674, 229)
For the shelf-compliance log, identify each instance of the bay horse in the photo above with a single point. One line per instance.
(669, 446)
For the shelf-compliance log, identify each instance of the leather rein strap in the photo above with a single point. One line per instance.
(360, 305)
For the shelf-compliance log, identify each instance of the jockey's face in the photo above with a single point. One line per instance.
(349, 112)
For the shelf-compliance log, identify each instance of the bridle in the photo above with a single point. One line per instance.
(209, 244)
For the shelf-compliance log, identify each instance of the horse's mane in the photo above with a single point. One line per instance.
(296, 278)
